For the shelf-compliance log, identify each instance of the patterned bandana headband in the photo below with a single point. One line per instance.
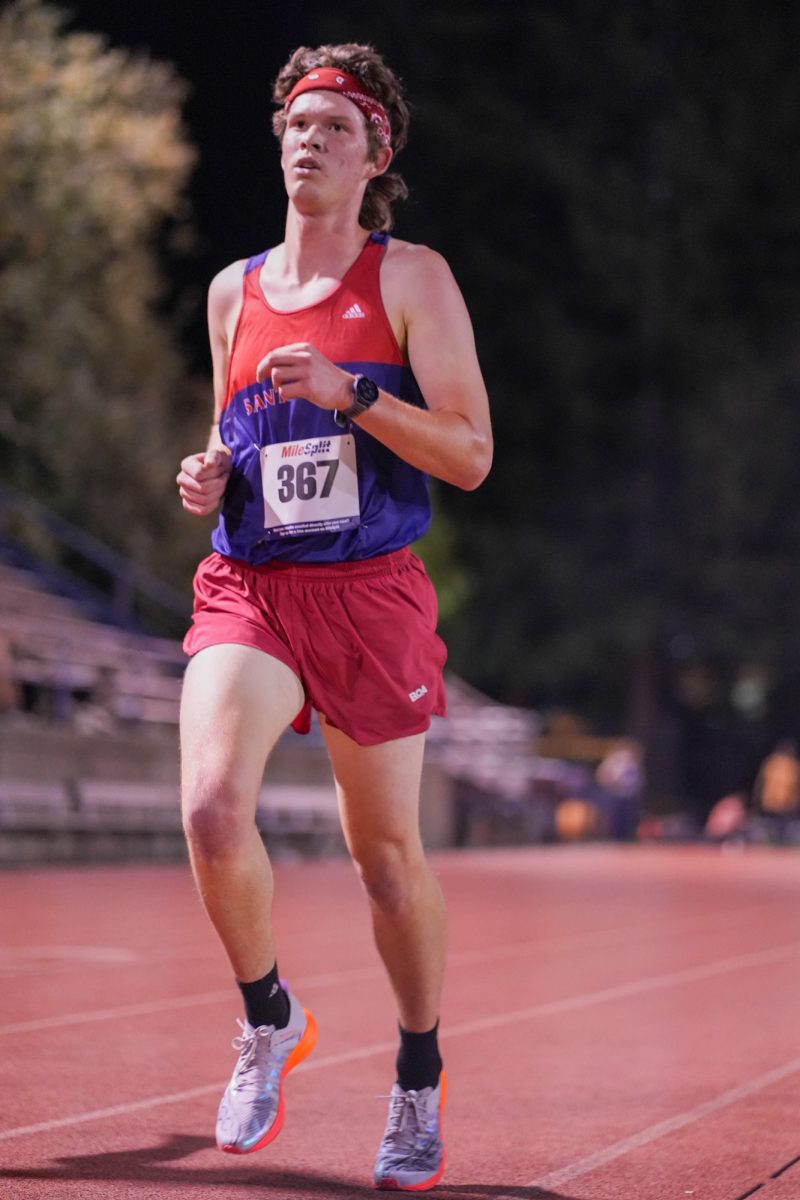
(331, 79)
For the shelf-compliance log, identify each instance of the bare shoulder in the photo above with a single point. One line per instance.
(225, 298)
(227, 282)
(417, 283)
(410, 264)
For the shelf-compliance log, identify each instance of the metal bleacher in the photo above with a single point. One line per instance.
(89, 761)
(68, 659)
(89, 707)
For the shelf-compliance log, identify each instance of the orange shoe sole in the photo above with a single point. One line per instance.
(392, 1185)
(303, 1048)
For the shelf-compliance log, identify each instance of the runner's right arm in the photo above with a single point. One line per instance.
(203, 477)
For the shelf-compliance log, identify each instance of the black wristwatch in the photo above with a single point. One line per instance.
(365, 393)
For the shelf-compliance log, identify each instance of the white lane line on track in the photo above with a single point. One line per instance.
(645, 1136)
(332, 978)
(119, 1110)
(43, 957)
(622, 991)
(146, 1008)
(465, 1028)
(300, 983)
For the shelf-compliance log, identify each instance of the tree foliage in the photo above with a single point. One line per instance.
(93, 163)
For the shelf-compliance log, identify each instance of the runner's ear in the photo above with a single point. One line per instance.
(380, 163)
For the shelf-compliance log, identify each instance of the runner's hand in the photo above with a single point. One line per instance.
(202, 479)
(301, 371)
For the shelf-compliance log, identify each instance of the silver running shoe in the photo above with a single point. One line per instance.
(411, 1155)
(251, 1110)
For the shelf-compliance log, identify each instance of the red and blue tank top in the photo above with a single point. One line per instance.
(302, 489)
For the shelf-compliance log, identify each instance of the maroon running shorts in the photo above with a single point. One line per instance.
(360, 636)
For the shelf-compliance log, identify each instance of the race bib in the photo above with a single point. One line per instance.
(310, 486)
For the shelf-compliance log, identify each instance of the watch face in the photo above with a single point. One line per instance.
(366, 391)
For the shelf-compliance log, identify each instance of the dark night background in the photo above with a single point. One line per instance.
(230, 56)
(615, 188)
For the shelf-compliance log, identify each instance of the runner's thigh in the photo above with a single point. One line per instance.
(236, 703)
(378, 788)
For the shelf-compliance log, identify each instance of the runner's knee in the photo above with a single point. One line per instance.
(389, 872)
(217, 819)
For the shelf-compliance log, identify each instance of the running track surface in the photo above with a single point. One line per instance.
(618, 1022)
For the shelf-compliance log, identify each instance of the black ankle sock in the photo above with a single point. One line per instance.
(419, 1063)
(265, 1001)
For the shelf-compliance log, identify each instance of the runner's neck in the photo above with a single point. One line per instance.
(321, 245)
(310, 263)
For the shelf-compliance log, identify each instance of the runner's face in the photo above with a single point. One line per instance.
(324, 153)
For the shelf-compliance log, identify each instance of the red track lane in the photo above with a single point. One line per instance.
(618, 1023)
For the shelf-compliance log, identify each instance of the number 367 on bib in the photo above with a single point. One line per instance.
(310, 486)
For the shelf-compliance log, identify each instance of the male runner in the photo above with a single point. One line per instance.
(345, 373)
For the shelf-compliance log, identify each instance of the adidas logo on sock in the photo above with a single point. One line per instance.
(355, 310)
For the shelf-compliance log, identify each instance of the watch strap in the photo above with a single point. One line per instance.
(361, 404)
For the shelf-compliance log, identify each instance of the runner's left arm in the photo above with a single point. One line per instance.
(451, 439)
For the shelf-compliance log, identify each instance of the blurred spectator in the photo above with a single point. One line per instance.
(575, 819)
(777, 785)
(620, 779)
(728, 819)
(776, 791)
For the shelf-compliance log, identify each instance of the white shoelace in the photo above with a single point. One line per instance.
(248, 1069)
(409, 1134)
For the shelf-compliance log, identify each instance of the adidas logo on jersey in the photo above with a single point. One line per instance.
(355, 310)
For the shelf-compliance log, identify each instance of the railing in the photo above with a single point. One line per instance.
(127, 583)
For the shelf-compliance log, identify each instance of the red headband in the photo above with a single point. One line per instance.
(331, 79)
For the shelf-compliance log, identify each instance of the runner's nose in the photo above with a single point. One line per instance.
(312, 137)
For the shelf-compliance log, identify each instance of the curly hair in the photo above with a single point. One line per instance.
(366, 65)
